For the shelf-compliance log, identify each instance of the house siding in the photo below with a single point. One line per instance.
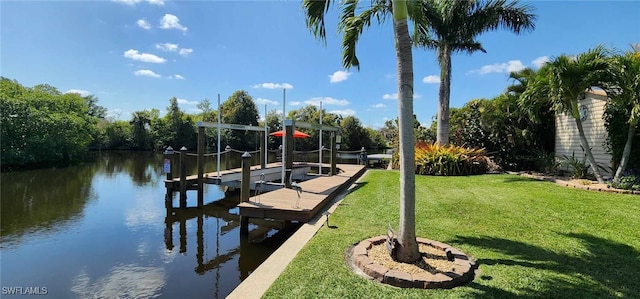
(567, 139)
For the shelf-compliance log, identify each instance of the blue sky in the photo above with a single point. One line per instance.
(137, 54)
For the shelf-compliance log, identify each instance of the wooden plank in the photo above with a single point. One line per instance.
(317, 192)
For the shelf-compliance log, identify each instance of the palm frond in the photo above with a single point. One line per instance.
(352, 24)
(315, 11)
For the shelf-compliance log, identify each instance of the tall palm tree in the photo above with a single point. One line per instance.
(623, 88)
(564, 81)
(453, 26)
(351, 25)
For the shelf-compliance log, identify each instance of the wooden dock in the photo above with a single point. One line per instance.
(231, 177)
(316, 193)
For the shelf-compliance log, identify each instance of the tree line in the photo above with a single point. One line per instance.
(42, 126)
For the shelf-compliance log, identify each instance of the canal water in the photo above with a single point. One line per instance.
(102, 230)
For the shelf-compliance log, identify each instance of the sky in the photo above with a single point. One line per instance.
(137, 54)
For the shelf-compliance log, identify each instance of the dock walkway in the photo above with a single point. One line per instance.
(231, 177)
(316, 192)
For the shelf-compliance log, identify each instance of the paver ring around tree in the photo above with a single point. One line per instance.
(441, 266)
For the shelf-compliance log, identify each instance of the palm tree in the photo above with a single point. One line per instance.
(564, 81)
(453, 26)
(623, 88)
(351, 25)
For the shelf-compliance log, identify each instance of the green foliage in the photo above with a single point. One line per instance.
(118, 135)
(240, 109)
(354, 135)
(504, 128)
(447, 160)
(544, 161)
(616, 116)
(141, 135)
(40, 125)
(629, 180)
(178, 128)
(578, 168)
(622, 111)
(311, 114)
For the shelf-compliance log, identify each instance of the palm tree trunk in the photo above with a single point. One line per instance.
(442, 133)
(408, 247)
(587, 150)
(627, 150)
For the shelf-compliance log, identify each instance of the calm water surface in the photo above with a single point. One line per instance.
(101, 230)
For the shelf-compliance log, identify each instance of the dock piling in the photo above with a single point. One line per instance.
(183, 177)
(245, 190)
(334, 151)
(201, 140)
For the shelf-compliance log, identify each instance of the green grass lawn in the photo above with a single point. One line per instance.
(531, 239)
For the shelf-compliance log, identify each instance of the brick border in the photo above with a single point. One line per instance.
(569, 184)
(462, 273)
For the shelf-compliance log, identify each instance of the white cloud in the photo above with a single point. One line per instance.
(143, 24)
(273, 85)
(296, 103)
(147, 73)
(144, 57)
(345, 112)
(170, 21)
(540, 61)
(128, 280)
(185, 52)
(392, 96)
(186, 102)
(128, 2)
(262, 101)
(510, 66)
(431, 79)
(339, 76)
(177, 77)
(379, 105)
(81, 92)
(167, 47)
(134, 2)
(326, 101)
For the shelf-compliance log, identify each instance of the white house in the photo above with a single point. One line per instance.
(567, 139)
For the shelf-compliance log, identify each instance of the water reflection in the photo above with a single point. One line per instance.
(123, 281)
(42, 200)
(264, 236)
(102, 230)
(143, 170)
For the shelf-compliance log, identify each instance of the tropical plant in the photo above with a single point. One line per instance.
(564, 81)
(623, 88)
(544, 161)
(453, 26)
(628, 180)
(436, 159)
(578, 168)
(141, 123)
(352, 25)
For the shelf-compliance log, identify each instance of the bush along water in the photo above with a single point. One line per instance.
(629, 180)
(434, 159)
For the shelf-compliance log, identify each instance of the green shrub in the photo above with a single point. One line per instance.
(627, 181)
(544, 161)
(579, 169)
(434, 159)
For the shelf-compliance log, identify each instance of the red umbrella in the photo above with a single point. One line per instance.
(296, 134)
